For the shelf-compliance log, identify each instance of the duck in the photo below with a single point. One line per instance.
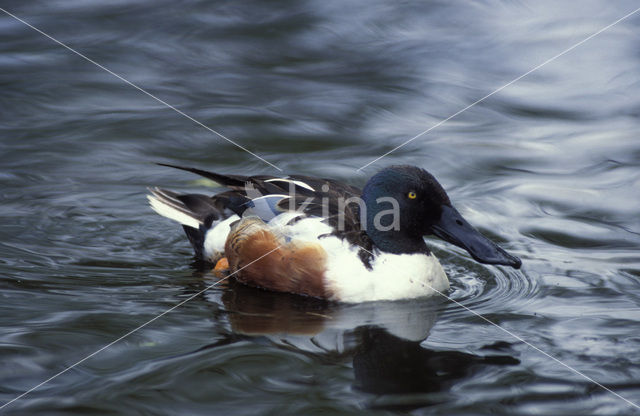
(322, 238)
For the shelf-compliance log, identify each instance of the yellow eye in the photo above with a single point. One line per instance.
(412, 195)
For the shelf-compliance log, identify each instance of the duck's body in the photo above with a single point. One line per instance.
(320, 238)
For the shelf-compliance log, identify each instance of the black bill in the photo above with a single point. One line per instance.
(453, 228)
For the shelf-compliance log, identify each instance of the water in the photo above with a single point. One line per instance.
(548, 167)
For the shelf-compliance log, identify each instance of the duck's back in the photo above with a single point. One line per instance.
(206, 219)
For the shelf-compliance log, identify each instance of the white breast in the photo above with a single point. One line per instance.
(393, 276)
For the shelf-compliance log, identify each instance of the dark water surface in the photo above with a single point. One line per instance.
(549, 167)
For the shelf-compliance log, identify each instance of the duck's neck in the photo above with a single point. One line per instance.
(397, 242)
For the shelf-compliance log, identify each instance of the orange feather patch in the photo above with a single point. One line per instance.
(291, 267)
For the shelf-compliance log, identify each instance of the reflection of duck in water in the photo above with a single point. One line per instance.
(325, 239)
(385, 364)
(317, 325)
(383, 340)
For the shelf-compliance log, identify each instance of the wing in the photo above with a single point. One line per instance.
(268, 196)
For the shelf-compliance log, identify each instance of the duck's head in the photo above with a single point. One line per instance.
(405, 203)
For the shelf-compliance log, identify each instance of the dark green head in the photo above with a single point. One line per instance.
(405, 203)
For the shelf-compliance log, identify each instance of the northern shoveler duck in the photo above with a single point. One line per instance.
(322, 238)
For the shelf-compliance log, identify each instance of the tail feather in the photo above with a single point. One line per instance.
(232, 181)
(203, 218)
(165, 204)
